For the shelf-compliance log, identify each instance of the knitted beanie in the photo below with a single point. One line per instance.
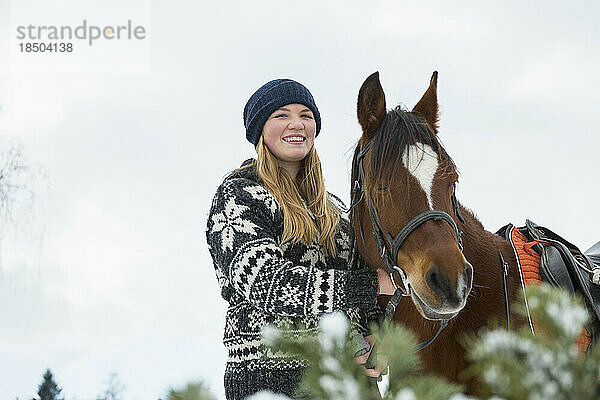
(270, 97)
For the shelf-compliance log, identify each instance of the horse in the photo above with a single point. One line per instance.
(406, 217)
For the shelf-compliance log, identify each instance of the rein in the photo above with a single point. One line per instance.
(390, 257)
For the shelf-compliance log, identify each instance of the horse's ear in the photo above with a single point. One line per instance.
(371, 106)
(427, 107)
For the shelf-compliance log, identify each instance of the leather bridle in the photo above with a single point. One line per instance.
(382, 238)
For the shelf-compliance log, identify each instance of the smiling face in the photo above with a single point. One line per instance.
(289, 133)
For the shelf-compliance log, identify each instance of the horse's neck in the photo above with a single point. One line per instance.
(482, 249)
(482, 246)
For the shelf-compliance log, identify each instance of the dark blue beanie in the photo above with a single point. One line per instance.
(270, 97)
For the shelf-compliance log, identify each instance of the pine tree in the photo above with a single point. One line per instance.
(547, 365)
(333, 375)
(48, 389)
(511, 365)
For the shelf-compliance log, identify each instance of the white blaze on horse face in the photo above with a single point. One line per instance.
(422, 162)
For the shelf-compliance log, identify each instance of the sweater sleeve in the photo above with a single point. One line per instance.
(248, 259)
(366, 317)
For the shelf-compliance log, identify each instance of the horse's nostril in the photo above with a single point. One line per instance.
(432, 278)
(438, 282)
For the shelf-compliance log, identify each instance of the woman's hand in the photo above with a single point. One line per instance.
(385, 282)
(375, 372)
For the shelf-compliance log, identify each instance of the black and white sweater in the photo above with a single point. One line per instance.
(283, 284)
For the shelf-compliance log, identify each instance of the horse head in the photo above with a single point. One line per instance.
(405, 173)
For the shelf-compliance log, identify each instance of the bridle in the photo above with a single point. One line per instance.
(382, 237)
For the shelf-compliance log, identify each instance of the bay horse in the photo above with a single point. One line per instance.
(406, 172)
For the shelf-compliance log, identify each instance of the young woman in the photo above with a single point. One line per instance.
(280, 244)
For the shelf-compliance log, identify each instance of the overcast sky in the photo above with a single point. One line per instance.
(111, 271)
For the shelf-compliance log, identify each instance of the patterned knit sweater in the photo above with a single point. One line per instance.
(288, 285)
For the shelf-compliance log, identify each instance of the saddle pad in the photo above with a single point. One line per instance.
(529, 261)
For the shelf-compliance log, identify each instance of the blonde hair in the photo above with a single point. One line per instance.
(297, 223)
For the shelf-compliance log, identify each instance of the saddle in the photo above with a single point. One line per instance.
(561, 264)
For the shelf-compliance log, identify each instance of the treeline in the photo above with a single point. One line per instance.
(49, 389)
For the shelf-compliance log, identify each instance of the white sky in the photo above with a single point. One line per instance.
(114, 275)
